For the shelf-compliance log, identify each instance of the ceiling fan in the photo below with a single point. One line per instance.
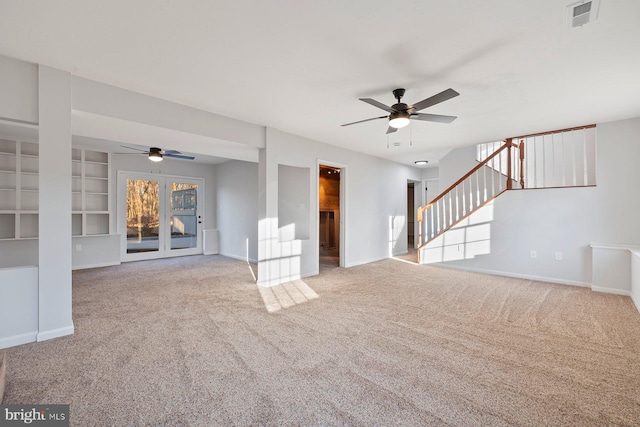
(401, 113)
(157, 154)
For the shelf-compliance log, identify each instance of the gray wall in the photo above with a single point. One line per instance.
(237, 209)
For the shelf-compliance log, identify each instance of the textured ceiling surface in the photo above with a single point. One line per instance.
(300, 66)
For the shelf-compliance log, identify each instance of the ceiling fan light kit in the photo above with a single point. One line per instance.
(399, 119)
(400, 114)
(155, 154)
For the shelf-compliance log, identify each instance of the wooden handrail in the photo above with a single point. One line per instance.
(554, 131)
(508, 143)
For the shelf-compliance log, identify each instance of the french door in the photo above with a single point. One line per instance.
(159, 216)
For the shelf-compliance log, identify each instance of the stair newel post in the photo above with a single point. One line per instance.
(420, 218)
(509, 143)
(521, 163)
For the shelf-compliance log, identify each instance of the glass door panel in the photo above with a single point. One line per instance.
(143, 216)
(183, 215)
(159, 215)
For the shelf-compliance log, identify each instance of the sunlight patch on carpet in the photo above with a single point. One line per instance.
(395, 258)
(286, 295)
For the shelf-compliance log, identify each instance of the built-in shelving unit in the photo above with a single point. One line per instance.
(18, 189)
(91, 210)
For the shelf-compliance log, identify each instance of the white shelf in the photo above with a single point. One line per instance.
(91, 210)
(19, 194)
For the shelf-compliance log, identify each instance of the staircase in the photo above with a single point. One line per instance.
(555, 159)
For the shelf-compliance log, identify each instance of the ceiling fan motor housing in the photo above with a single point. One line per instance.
(400, 113)
(398, 94)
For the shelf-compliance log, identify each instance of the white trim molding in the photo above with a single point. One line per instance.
(18, 339)
(618, 265)
(55, 333)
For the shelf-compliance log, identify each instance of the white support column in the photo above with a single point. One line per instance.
(268, 244)
(54, 244)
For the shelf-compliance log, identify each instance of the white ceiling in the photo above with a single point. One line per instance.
(301, 65)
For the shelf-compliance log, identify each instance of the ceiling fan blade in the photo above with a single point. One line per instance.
(435, 99)
(433, 117)
(131, 148)
(391, 130)
(130, 154)
(376, 104)
(365, 120)
(178, 156)
(171, 152)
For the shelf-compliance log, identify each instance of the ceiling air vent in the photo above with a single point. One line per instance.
(582, 13)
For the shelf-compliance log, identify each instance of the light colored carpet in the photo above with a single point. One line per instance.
(189, 341)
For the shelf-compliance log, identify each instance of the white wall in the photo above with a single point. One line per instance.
(18, 253)
(54, 283)
(375, 195)
(237, 209)
(110, 101)
(635, 278)
(18, 306)
(294, 198)
(19, 89)
(547, 221)
(455, 165)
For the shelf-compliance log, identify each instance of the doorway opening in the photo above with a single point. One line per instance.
(411, 212)
(159, 216)
(329, 220)
(414, 199)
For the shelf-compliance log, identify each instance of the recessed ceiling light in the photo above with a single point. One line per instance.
(421, 162)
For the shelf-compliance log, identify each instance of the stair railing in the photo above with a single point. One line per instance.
(555, 159)
(475, 189)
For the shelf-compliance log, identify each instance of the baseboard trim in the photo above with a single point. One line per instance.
(98, 265)
(611, 291)
(55, 333)
(240, 258)
(18, 339)
(515, 275)
(635, 301)
(355, 264)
